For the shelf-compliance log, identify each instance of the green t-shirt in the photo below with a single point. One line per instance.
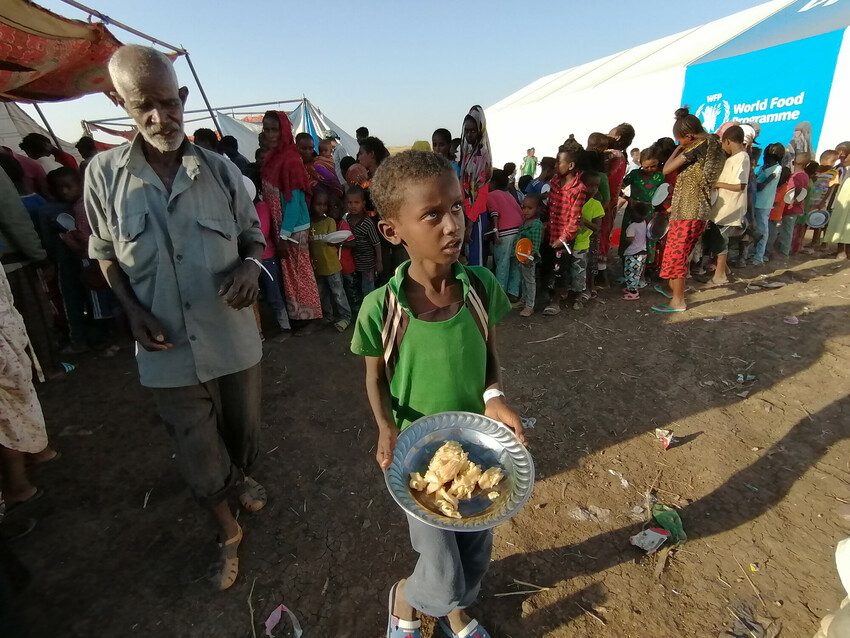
(441, 365)
(529, 165)
(590, 211)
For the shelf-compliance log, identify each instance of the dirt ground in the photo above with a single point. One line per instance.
(760, 481)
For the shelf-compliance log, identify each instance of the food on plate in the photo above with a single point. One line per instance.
(491, 478)
(452, 477)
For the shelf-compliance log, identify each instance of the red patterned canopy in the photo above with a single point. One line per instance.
(47, 58)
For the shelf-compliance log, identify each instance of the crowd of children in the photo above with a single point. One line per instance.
(440, 246)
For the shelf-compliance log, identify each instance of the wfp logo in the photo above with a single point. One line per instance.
(710, 113)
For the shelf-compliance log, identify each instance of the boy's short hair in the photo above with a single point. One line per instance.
(63, 172)
(647, 154)
(548, 163)
(537, 197)
(801, 159)
(812, 169)
(523, 182)
(396, 173)
(638, 210)
(355, 190)
(443, 134)
(828, 158)
(734, 134)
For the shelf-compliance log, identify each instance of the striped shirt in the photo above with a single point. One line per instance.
(364, 244)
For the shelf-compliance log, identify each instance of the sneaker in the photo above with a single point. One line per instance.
(526, 312)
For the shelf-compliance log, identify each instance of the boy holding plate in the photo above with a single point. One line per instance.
(429, 340)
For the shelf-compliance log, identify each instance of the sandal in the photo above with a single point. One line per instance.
(342, 325)
(229, 562)
(666, 308)
(631, 296)
(551, 311)
(662, 292)
(472, 630)
(398, 628)
(252, 495)
(15, 504)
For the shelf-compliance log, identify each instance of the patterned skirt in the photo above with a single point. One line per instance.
(682, 236)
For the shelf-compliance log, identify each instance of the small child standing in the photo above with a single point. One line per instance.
(731, 206)
(567, 196)
(366, 245)
(767, 184)
(443, 358)
(591, 221)
(797, 183)
(326, 264)
(531, 229)
(633, 241)
(825, 184)
(271, 284)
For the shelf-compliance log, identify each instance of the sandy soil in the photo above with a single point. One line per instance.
(759, 480)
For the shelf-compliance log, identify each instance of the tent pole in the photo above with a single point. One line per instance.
(47, 125)
(107, 20)
(203, 94)
(219, 108)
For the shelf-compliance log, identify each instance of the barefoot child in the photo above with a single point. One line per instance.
(439, 304)
(531, 229)
(326, 264)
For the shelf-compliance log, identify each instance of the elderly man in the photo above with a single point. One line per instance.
(179, 242)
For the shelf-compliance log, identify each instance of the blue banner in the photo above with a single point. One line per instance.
(776, 88)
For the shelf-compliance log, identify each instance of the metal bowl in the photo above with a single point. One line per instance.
(658, 226)
(488, 443)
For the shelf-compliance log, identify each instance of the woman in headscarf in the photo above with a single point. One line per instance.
(801, 142)
(286, 188)
(476, 167)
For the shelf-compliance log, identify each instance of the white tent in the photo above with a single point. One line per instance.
(15, 124)
(645, 84)
(306, 118)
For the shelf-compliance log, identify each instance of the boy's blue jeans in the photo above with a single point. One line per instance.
(273, 292)
(762, 216)
(450, 568)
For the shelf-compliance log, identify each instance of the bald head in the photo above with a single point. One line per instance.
(134, 63)
(146, 87)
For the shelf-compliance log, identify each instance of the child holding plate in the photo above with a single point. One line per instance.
(326, 264)
(409, 330)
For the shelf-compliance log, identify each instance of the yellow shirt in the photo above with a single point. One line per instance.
(324, 256)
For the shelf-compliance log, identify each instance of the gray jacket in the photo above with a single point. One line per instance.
(19, 243)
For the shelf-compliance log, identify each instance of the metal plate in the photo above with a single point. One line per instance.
(818, 218)
(488, 443)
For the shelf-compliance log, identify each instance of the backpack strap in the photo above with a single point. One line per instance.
(394, 322)
(394, 319)
(478, 301)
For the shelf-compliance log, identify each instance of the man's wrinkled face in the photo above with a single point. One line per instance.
(156, 106)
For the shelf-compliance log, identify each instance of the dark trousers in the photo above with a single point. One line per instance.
(215, 427)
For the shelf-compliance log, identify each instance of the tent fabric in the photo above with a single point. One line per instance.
(307, 118)
(47, 58)
(15, 124)
(244, 132)
(304, 119)
(127, 134)
(796, 21)
(642, 85)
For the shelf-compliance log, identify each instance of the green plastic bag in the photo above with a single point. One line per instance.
(669, 519)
